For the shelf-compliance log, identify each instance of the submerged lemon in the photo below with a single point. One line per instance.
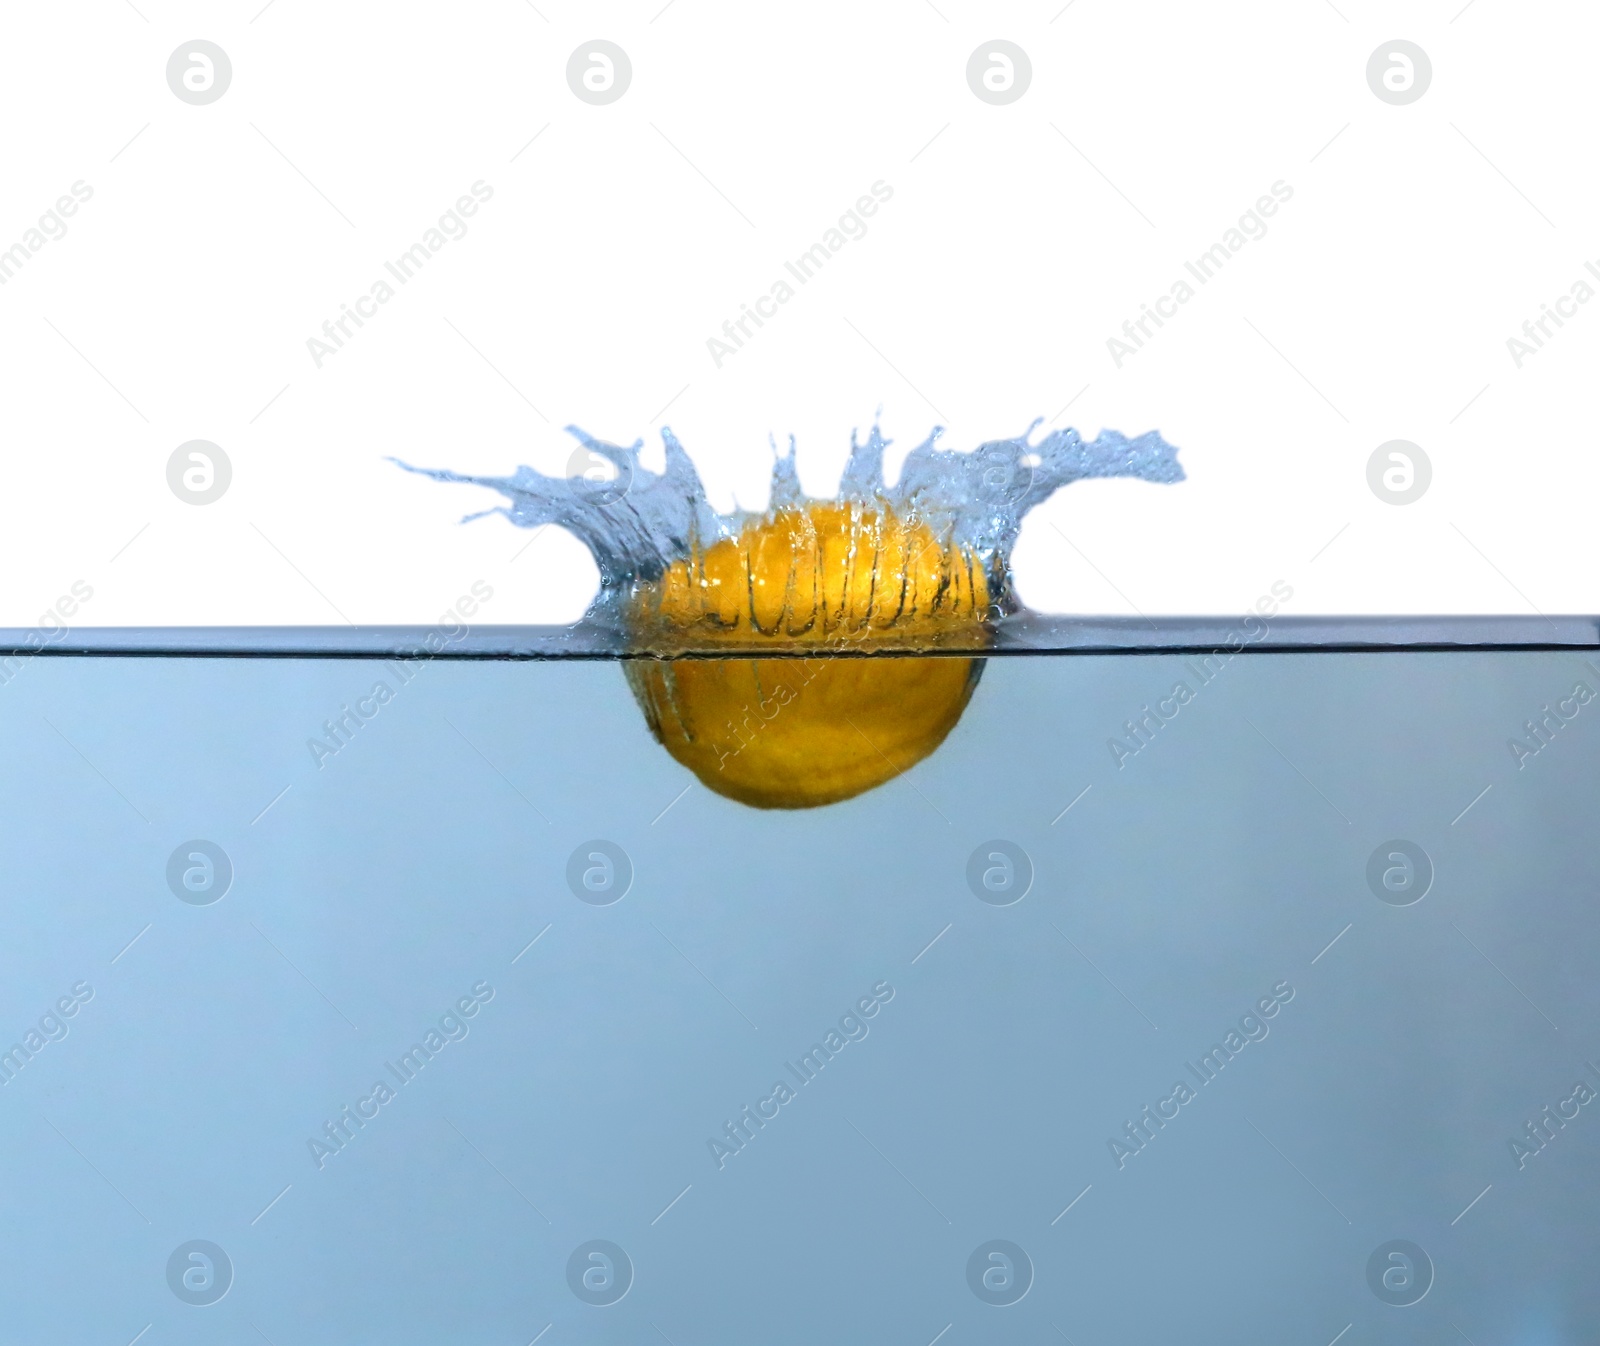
(853, 585)
(802, 656)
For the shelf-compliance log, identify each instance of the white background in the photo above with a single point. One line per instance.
(1019, 238)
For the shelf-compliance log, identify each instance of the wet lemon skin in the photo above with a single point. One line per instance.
(791, 717)
(795, 733)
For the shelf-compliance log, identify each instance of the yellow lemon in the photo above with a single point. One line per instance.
(817, 599)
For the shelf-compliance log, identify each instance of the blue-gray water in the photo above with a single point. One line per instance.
(427, 862)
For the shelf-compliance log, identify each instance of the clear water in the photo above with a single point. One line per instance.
(430, 859)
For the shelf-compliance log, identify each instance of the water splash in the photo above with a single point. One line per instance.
(642, 524)
(775, 719)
